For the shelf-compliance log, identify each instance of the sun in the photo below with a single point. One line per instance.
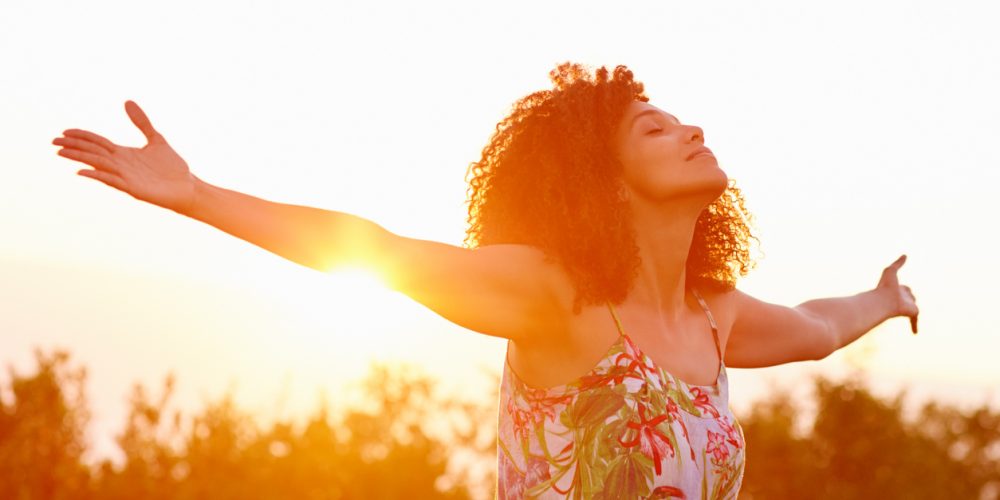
(359, 280)
(349, 307)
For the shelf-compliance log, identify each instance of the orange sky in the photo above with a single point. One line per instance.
(850, 150)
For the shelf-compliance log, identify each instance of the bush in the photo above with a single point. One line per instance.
(858, 446)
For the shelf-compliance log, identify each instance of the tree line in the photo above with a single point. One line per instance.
(858, 445)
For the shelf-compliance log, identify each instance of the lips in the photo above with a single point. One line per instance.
(699, 151)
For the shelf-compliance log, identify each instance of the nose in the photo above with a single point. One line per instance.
(696, 133)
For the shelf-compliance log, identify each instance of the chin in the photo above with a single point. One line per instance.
(723, 180)
(716, 183)
(706, 187)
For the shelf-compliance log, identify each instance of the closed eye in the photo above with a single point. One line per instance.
(655, 130)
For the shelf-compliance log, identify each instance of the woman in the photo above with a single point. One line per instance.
(604, 243)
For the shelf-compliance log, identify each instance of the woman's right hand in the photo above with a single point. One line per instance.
(154, 173)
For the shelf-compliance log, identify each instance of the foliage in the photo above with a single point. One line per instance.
(42, 432)
(858, 446)
(862, 447)
(380, 450)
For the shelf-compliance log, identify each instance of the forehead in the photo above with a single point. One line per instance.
(637, 108)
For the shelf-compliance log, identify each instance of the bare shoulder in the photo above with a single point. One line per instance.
(536, 261)
(724, 305)
(732, 302)
(514, 291)
(723, 300)
(555, 313)
(551, 318)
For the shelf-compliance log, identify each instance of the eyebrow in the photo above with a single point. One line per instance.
(652, 112)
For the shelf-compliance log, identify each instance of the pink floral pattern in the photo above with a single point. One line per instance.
(627, 429)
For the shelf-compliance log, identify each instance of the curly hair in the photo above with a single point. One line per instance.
(549, 178)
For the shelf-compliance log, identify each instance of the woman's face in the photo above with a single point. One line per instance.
(656, 151)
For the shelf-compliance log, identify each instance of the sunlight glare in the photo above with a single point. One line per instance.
(358, 280)
(351, 303)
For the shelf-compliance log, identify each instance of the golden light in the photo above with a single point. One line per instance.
(349, 307)
(358, 280)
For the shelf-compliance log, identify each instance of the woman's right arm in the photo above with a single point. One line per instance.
(508, 291)
(499, 290)
(316, 238)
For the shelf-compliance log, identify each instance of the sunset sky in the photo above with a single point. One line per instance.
(858, 131)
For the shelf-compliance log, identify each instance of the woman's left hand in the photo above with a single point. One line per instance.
(902, 301)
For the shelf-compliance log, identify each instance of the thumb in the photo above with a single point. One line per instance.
(898, 263)
(140, 120)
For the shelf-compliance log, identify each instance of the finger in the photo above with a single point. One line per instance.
(140, 120)
(109, 179)
(898, 263)
(913, 324)
(97, 161)
(92, 137)
(82, 145)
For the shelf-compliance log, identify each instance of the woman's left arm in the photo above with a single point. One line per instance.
(766, 334)
(848, 318)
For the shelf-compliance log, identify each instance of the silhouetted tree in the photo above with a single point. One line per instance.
(42, 432)
(858, 446)
(861, 447)
(380, 451)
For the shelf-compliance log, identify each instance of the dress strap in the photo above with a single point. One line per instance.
(621, 331)
(711, 321)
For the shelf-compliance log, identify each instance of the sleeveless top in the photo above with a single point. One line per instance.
(627, 429)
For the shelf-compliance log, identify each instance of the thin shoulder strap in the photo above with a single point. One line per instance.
(621, 331)
(711, 321)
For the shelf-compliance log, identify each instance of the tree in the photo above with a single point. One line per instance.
(401, 441)
(42, 432)
(861, 447)
(381, 451)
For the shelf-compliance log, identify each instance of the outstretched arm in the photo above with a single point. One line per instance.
(765, 334)
(155, 173)
(848, 318)
(316, 238)
(509, 291)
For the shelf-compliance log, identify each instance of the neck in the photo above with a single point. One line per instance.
(663, 234)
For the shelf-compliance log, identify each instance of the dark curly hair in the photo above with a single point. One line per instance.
(549, 178)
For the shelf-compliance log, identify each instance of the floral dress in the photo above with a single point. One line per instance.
(627, 429)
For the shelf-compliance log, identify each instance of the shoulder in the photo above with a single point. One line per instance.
(725, 301)
(554, 305)
(724, 306)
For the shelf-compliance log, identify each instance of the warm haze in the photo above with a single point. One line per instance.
(858, 131)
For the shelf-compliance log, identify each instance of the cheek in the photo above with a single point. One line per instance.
(643, 171)
(662, 152)
(657, 177)
(660, 163)
(653, 178)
